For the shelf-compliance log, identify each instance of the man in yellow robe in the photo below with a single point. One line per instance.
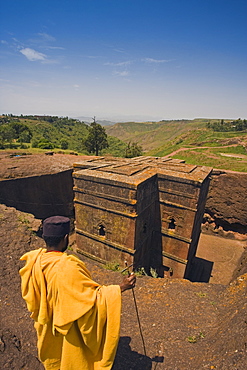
(76, 319)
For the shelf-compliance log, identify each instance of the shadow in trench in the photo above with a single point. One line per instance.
(200, 270)
(126, 359)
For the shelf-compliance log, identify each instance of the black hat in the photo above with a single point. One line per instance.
(56, 226)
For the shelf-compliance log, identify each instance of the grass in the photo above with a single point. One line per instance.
(113, 266)
(239, 149)
(193, 140)
(142, 272)
(201, 294)
(213, 159)
(210, 157)
(24, 221)
(192, 338)
(195, 338)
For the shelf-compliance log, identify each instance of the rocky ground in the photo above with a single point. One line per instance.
(184, 325)
(16, 164)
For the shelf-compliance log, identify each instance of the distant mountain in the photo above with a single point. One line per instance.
(84, 119)
(105, 122)
(111, 120)
(88, 120)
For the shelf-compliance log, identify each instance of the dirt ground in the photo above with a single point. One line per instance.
(184, 325)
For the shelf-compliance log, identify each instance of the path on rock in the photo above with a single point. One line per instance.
(200, 147)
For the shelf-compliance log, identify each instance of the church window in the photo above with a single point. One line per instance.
(172, 224)
(101, 230)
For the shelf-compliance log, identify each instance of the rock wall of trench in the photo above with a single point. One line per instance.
(43, 196)
(226, 203)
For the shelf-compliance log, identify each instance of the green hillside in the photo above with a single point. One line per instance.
(50, 132)
(194, 141)
(152, 135)
(216, 143)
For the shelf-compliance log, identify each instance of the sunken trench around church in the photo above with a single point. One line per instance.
(185, 325)
(147, 211)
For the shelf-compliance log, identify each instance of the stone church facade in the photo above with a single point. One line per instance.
(145, 210)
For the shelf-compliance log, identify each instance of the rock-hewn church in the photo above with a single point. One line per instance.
(145, 210)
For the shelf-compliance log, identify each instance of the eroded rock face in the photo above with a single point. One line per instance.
(227, 200)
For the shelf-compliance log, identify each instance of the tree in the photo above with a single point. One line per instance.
(25, 136)
(7, 134)
(97, 138)
(22, 132)
(45, 144)
(64, 144)
(133, 150)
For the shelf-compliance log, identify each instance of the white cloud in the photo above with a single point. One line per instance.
(93, 56)
(3, 42)
(121, 74)
(32, 55)
(47, 37)
(151, 60)
(50, 61)
(55, 47)
(118, 64)
(119, 50)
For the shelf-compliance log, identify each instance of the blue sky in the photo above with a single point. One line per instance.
(124, 59)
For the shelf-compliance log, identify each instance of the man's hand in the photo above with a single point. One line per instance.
(128, 282)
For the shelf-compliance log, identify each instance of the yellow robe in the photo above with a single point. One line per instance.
(77, 320)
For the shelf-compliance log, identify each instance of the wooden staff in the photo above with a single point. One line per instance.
(137, 314)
